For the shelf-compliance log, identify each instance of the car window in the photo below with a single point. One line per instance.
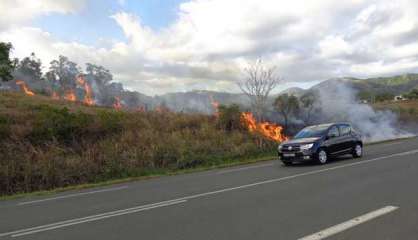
(334, 131)
(345, 130)
(315, 131)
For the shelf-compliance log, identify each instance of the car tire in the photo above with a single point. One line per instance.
(357, 151)
(322, 156)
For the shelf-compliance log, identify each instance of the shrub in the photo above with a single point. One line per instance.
(111, 121)
(58, 124)
(230, 118)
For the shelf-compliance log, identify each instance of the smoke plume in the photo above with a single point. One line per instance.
(338, 102)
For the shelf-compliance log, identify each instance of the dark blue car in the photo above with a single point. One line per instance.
(320, 142)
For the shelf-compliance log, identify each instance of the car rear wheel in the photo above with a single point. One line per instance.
(357, 151)
(322, 156)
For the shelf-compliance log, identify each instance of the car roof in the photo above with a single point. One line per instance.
(327, 125)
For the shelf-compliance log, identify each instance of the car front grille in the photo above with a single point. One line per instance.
(290, 148)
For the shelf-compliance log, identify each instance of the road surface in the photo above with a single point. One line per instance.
(375, 197)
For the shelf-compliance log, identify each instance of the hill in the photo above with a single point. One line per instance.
(202, 101)
(395, 85)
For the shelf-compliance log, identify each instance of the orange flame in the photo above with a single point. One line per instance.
(117, 104)
(269, 130)
(215, 105)
(55, 96)
(88, 96)
(70, 96)
(159, 109)
(141, 109)
(25, 88)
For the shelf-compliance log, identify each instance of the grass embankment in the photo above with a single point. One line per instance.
(47, 144)
(406, 110)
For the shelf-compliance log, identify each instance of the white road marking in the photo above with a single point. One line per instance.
(183, 199)
(92, 218)
(296, 175)
(72, 195)
(245, 168)
(349, 224)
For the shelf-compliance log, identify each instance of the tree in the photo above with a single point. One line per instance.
(63, 73)
(287, 105)
(30, 67)
(101, 75)
(308, 104)
(258, 83)
(6, 65)
(413, 94)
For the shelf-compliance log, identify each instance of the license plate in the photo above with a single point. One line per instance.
(288, 154)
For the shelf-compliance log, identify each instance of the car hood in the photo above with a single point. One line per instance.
(301, 140)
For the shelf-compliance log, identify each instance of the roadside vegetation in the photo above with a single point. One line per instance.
(407, 110)
(47, 144)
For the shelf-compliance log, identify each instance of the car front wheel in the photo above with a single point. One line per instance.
(287, 163)
(322, 156)
(357, 151)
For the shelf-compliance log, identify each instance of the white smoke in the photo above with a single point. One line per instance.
(338, 102)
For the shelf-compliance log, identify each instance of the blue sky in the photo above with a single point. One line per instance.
(93, 22)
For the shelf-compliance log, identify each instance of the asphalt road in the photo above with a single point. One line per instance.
(375, 197)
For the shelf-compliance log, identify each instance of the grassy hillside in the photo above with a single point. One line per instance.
(406, 110)
(45, 144)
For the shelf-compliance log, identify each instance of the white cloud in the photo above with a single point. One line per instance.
(334, 46)
(16, 12)
(210, 40)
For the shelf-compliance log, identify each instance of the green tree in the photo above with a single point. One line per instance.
(6, 65)
(288, 106)
(412, 94)
(99, 74)
(229, 117)
(63, 73)
(30, 67)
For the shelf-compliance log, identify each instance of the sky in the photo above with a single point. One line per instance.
(160, 46)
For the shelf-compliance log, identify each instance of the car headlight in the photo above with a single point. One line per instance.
(280, 148)
(306, 146)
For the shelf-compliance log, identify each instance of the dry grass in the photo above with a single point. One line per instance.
(406, 110)
(47, 144)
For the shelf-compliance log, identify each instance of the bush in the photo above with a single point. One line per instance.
(58, 124)
(412, 94)
(230, 118)
(384, 97)
(111, 121)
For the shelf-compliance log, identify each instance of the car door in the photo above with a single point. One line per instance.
(346, 140)
(333, 140)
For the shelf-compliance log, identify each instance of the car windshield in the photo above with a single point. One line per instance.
(309, 132)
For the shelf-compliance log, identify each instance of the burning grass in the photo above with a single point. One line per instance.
(46, 143)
